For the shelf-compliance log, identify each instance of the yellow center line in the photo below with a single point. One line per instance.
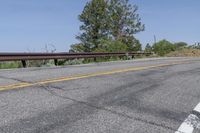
(17, 84)
(61, 79)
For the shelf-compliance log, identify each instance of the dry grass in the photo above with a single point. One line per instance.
(185, 53)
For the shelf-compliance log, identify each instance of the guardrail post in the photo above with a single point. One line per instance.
(127, 56)
(95, 59)
(24, 63)
(56, 62)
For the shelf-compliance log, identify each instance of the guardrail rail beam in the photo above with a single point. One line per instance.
(23, 57)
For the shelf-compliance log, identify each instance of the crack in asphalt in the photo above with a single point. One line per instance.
(108, 110)
(15, 79)
(93, 105)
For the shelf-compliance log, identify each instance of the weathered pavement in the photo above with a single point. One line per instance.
(143, 96)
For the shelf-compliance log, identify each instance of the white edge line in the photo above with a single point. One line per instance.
(197, 108)
(185, 128)
(188, 125)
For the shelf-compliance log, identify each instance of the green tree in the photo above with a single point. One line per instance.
(108, 45)
(95, 25)
(163, 47)
(105, 19)
(124, 19)
(148, 48)
(77, 48)
(132, 43)
(125, 23)
(180, 45)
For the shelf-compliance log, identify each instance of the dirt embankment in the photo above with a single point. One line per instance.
(185, 53)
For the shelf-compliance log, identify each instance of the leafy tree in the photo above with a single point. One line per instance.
(124, 19)
(95, 25)
(77, 48)
(104, 19)
(108, 45)
(132, 43)
(148, 48)
(125, 23)
(180, 45)
(163, 47)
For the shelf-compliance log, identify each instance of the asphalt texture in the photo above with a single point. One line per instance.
(155, 100)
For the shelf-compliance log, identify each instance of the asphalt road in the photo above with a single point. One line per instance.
(137, 96)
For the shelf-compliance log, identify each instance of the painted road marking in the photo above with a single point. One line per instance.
(191, 123)
(187, 126)
(61, 79)
(197, 108)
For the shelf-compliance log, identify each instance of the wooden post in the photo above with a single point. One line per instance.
(56, 62)
(95, 59)
(24, 63)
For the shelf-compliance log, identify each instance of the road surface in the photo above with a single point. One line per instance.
(159, 95)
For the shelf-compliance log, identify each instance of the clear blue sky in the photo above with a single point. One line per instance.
(28, 25)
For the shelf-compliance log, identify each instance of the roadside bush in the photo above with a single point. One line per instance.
(163, 47)
(8, 65)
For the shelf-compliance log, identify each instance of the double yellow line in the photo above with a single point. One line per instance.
(61, 79)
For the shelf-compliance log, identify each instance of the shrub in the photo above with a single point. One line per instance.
(163, 47)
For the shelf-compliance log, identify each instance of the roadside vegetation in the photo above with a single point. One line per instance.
(110, 26)
(178, 49)
(187, 52)
(8, 65)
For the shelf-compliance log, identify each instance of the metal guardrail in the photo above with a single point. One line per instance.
(23, 57)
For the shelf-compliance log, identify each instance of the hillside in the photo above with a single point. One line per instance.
(185, 53)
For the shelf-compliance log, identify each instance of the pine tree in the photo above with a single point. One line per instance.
(124, 18)
(114, 20)
(95, 25)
